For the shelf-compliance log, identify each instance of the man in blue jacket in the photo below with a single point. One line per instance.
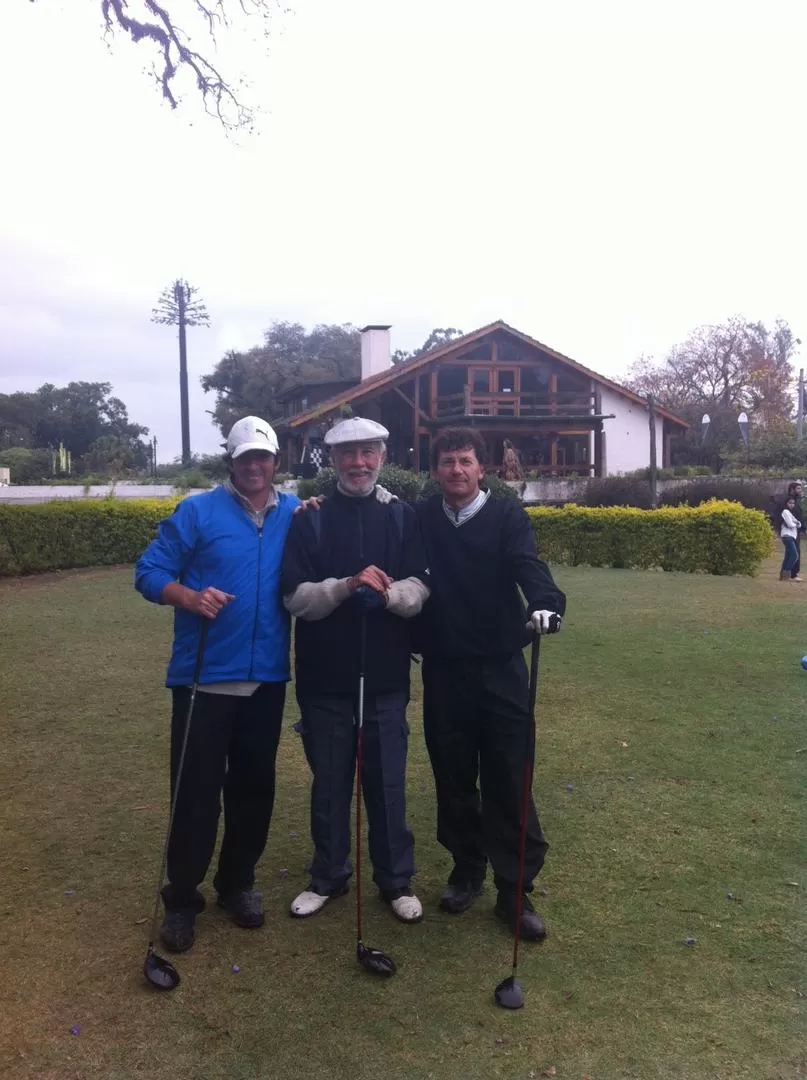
(218, 557)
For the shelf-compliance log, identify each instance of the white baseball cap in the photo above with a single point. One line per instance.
(251, 433)
(355, 430)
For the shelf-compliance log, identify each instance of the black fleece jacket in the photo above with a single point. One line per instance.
(355, 533)
(475, 572)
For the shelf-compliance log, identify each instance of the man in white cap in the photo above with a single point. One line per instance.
(218, 557)
(353, 572)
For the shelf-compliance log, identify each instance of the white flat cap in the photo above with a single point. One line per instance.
(357, 429)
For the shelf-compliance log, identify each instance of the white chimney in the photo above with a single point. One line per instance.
(375, 350)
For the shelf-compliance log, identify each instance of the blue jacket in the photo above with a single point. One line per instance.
(210, 540)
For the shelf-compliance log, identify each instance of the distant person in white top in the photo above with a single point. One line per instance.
(789, 531)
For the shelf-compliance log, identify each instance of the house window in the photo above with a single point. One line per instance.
(480, 381)
(507, 381)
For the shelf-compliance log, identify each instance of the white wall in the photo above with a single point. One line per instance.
(627, 436)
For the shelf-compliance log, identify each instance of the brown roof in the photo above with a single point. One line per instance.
(369, 386)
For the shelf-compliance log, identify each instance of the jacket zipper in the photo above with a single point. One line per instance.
(257, 602)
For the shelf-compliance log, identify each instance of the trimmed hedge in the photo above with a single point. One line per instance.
(79, 532)
(713, 538)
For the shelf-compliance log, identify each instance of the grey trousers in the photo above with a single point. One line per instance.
(328, 730)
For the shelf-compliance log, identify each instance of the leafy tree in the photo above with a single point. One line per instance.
(171, 29)
(109, 455)
(247, 383)
(76, 415)
(27, 466)
(738, 366)
(439, 336)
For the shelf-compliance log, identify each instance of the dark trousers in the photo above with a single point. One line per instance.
(795, 569)
(328, 729)
(478, 729)
(232, 748)
(791, 559)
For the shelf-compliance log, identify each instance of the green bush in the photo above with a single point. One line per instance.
(80, 532)
(191, 478)
(618, 491)
(674, 472)
(320, 484)
(755, 496)
(713, 538)
(497, 487)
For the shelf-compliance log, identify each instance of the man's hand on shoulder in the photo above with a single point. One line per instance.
(313, 503)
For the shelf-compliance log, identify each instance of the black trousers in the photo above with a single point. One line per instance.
(232, 748)
(795, 569)
(478, 731)
(327, 725)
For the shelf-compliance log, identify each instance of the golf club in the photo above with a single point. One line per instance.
(160, 972)
(508, 993)
(372, 960)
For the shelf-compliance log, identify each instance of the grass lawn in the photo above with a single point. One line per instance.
(671, 784)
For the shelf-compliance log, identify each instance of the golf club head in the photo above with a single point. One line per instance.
(374, 961)
(509, 994)
(160, 973)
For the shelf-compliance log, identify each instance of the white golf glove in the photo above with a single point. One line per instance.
(545, 622)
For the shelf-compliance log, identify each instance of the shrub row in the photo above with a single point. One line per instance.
(713, 538)
(404, 483)
(81, 532)
(632, 491)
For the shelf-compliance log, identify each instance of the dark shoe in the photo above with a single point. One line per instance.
(176, 932)
(458, 897)
(532, 925)
(244, 908)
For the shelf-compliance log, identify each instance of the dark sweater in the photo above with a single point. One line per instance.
(476, 569)
(355, 533)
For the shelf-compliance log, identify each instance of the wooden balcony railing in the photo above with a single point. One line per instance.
(467, 403)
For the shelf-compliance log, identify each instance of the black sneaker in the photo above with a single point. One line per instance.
(532, 925)
(244, 908)
(176, 932)
(459, 896)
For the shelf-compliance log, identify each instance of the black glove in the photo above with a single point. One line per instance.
(367, 599)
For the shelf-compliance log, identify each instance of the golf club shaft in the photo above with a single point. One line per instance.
(200, 655)
(526, 790)
(359, 766)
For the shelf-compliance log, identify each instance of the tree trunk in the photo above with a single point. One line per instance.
(183, 381)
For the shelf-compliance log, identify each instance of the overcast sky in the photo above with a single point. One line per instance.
(603, 176)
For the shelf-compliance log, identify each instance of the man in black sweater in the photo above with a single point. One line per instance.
(353, 572)
(472, 633)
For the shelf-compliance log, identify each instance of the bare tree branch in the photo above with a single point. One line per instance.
(156, 26)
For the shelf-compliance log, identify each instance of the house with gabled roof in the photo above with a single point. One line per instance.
(561, 417)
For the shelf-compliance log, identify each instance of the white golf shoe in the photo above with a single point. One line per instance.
(309, 902)
(406, 907)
